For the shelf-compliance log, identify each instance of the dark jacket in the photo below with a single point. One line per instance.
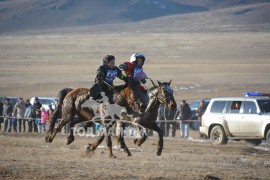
(170, 114)
(108, 75)
(200, 112)
(35, 106)
(184, 112)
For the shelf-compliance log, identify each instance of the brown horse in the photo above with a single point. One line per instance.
(159, 94)
(67, 109)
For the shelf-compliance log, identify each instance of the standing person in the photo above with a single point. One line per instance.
(199, 114)
(38, 120)
(27, 114)
(36, 106)
(50, 112)
(19, 110)
(134, 70)
(7, 113)
(161, 118)
(105, 76)
(1, 114)
(43, 120)
(185, 114)
(170, 118)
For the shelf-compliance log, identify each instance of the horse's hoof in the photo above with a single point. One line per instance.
(88, 149)
(48, 139)
(112, 156)
(129, 155)
(70, 140)
(158, 153)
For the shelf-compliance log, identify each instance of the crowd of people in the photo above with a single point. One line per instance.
(25, 116)
(169, 118)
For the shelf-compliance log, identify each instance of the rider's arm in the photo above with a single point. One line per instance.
(101, 73)
(121, 76)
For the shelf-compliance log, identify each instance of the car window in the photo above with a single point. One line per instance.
(250, 107)
(194, 105)
(235, 107)
(264, 105)
(218, 106)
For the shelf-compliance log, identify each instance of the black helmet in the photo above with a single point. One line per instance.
(108, 58)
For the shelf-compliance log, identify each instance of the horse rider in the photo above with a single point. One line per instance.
(105, 76)
(134, 70)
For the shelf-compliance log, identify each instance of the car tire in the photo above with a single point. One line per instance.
(268, 138)
(253, 142)
(218, 136)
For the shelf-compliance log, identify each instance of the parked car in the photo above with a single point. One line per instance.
(194, 106)
(237, 118)
(46, 101)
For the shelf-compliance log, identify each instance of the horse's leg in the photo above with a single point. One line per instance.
(143, 135)
(67, 116)
(155, 127)
(120, 138)
(71, 137)
(109, 141)
(91, 147)
(54, 118)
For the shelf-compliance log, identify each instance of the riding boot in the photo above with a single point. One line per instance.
(80, 100)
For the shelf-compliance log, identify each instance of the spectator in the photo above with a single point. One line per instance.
(185, 114)
(38, 120)
(27, 115)
(43, 121)
(169, 115)
(199, 114)
(36, 106)
(1, 114)
(7, 112)
(161, 118)
(19, 110)
(50, 112)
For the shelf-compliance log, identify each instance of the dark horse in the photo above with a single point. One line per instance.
(158, 94)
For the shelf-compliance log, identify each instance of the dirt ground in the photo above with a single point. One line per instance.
(27, 156)
(201, 65)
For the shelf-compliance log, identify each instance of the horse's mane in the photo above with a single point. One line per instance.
(153, 87)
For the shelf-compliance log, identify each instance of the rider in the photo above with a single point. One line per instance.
(105, 76)
(134, 71)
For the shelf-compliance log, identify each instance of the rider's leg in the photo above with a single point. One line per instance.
(93, 92)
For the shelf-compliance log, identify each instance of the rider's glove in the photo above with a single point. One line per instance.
(123, 67)
(143, 81)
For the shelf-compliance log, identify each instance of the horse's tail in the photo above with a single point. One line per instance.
(58, 109)
(63, 93)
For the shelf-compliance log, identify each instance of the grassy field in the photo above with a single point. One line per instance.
(201, 65)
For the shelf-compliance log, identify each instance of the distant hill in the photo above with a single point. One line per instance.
(36, 16)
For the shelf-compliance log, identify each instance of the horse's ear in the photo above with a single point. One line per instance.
(159, 83)
(170, 82)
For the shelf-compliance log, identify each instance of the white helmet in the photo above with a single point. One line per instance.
(134, 57)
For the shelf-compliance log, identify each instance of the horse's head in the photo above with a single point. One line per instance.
(165, 94)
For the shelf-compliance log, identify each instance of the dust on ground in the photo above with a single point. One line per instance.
(27, 156)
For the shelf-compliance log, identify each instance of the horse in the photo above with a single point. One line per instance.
(67, 109)
(160, 94)
(67, 97)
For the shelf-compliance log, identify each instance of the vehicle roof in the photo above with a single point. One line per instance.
(43, 97)
(240, 98)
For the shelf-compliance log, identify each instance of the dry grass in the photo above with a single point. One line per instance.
(201, 65)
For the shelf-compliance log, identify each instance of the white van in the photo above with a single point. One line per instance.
(46, 101)
(239, 118)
